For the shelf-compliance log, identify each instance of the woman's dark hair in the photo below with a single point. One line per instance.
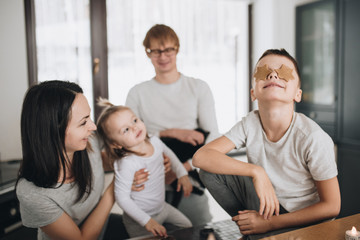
(282, 52)
(45, 115)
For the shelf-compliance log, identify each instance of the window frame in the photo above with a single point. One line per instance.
(98, 47)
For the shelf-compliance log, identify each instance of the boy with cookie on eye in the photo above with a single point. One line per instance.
(290, 179)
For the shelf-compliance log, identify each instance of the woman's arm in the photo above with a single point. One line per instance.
(65, 228)
(212, 158)
(328, 207)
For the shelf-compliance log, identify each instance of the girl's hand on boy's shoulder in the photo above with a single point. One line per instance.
(251, 222)
(155, 228)
(186, 185)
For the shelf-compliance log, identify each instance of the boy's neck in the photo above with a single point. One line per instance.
(168, 77)
(276, 120)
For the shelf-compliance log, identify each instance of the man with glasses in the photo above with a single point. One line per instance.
(178, 109)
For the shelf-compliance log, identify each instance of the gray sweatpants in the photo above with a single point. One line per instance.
(168, 215)
(235, 193)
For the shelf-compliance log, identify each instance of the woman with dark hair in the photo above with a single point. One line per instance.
(61, 178)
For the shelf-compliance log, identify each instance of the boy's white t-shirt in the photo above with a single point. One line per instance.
(305, 154)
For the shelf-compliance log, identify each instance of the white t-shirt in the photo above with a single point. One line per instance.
(150, 201)
(304, 154)
(187, 104)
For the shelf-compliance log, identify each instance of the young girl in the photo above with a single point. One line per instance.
(126, 144)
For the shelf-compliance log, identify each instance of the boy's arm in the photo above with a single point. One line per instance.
(328, 207)
(212, 158)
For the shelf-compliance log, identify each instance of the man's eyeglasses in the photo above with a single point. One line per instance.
(157, 52)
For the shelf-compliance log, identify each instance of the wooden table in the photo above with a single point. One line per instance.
(333, 230)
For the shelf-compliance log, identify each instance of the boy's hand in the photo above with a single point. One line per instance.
(155, 228)
(269, 204)
(186, 185)
(250, 222)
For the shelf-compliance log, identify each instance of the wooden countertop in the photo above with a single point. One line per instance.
(332, 230)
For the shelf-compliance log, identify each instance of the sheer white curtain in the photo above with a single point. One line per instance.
(63, 42)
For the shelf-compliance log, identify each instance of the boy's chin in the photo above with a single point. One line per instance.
(275, 101)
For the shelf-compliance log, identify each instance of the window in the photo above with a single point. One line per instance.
(213, 47)
(62, 30)
(213, 38)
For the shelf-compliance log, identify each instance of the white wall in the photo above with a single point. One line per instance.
(274, 25)
(13, 76)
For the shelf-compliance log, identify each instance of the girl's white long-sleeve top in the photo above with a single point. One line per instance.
(150, 201)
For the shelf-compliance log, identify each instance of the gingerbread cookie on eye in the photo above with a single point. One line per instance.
(283, 72)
